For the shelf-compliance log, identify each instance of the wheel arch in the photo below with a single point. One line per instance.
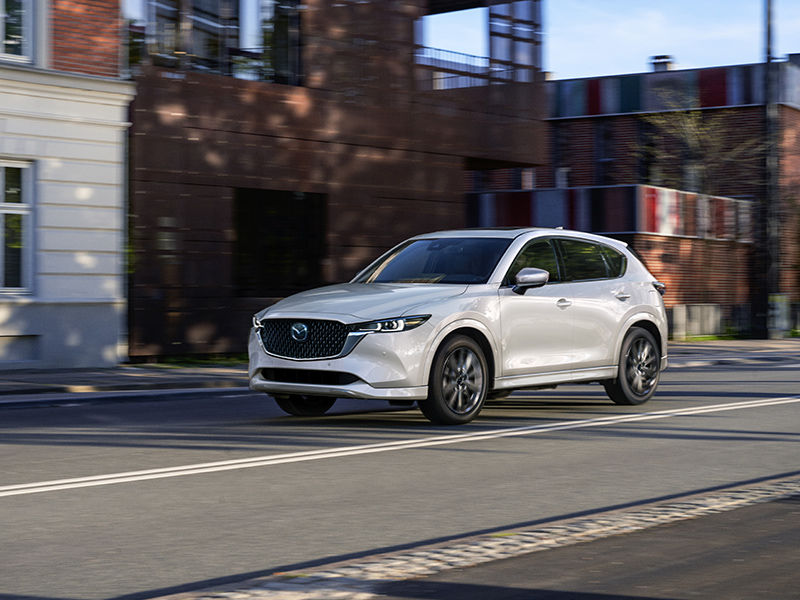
(646, 322)
(478, 336)
(653, 329)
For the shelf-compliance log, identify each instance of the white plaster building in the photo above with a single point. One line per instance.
(62, 201)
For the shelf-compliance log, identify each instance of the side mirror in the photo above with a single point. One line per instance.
(530, 278)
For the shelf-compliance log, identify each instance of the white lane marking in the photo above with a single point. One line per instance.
(281, 459)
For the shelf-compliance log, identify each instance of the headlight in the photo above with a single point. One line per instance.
(390, 325)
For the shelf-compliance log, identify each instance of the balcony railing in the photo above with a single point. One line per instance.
(439, 69)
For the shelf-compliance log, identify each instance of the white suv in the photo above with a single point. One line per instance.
(448, 319)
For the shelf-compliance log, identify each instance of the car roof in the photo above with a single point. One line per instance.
(515, 232)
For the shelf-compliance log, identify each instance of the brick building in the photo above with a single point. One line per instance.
(63, 120)
(608, 133)
(277, 146)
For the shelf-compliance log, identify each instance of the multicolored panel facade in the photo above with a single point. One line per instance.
(617, 209)
(739, 85)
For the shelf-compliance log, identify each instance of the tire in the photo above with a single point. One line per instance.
(639, 369)
(458, 383)
(305, 406)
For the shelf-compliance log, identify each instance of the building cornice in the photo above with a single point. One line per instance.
(72, 83)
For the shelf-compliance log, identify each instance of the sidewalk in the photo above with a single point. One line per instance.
(124, 378)
(727, 352)
(19, 385)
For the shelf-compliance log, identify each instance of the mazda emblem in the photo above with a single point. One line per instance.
(299, 332)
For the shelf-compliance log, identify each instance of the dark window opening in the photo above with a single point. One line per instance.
(604, 153)
(280, 242)
(561, 151)
(537, 255)
(248, 39)
(648, 155)
(582, 260)
(615, 260)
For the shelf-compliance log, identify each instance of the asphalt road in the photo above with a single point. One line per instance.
(178, 494)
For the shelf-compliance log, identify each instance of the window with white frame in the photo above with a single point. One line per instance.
(15, 215)
(15, 29)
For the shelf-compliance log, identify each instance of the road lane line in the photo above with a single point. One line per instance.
(281, 459)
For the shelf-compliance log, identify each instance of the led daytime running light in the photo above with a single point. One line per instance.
(391, 325)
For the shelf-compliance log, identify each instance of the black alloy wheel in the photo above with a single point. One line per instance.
(458, 383)
(639, 369)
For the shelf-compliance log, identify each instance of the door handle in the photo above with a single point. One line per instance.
(564, 303)
(622, 296)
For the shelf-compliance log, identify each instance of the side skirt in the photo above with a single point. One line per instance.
(557, 378)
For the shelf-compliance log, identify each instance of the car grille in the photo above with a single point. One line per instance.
(325, 338)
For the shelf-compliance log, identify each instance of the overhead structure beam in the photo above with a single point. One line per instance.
(436, 7)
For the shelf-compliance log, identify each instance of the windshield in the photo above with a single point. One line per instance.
(444, 260)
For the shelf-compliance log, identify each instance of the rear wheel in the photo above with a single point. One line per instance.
(639, 369)
(305, 406)
(458, 383)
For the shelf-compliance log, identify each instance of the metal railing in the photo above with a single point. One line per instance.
(439, 69)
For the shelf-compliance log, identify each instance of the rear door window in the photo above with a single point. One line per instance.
(582, 260)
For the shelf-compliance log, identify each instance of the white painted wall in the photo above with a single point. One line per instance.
(72, 130)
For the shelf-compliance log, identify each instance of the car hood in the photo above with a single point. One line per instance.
(363, 301)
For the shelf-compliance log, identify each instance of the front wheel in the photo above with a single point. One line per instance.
(305, 406)
(639, 369)
(458, 383)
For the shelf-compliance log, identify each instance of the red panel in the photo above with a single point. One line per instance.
(593, 97)
(513, 209)
(719, 218)
(713, 87)
(650, 205)
(618, 208)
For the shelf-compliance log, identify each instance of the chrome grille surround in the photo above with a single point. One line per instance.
(326, 339)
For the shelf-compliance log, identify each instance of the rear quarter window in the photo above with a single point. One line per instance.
(616, 261)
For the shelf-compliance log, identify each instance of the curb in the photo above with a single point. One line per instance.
(689, 362)
(57, 388)
(127, 395)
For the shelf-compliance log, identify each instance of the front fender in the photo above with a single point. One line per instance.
(463, 323)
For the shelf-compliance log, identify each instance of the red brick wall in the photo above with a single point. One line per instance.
(790, 201)
(697, 271)
(743, 128)
(87, 36)
(738, 128)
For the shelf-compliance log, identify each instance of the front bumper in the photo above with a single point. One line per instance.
(383, 366)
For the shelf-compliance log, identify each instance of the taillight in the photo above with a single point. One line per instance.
(661, 287)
